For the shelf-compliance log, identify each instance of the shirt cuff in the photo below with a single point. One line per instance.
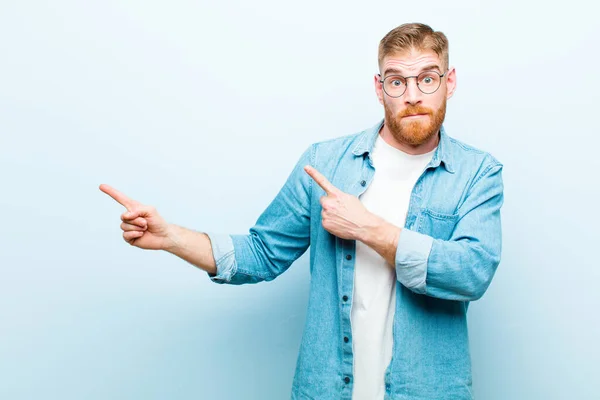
(223, 252)
(411, 259)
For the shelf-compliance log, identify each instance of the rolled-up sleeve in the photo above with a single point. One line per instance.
(412, 255)
(224, 255)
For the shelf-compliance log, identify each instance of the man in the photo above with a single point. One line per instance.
(403, 223)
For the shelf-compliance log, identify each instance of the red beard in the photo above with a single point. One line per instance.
(418, 131)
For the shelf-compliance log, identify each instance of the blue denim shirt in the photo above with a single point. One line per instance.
(447, 254)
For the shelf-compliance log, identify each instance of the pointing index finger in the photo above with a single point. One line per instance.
(321, 180)
(118, 196)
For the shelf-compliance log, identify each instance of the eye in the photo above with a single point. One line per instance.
(395, 81)
(428, 79)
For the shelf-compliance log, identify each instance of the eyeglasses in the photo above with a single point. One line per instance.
(427, 82)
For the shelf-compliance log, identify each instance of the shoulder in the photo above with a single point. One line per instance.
(466, 156)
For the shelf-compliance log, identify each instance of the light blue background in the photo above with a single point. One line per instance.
(202, 110)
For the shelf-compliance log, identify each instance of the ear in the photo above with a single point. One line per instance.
(378, 88)
(451, 82)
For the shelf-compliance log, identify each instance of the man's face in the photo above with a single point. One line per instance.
(415, 117)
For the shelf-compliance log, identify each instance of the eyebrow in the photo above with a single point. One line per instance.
(395, 71)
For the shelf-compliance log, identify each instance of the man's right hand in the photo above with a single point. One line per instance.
(142, 226)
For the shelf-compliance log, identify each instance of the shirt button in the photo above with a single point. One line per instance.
(345, 298)
(347, 380)
(346, 340)
(363, 183)
(348, 257)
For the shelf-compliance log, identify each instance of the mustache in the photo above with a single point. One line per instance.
(412, 110)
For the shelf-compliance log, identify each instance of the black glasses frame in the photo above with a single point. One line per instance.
(382, 81)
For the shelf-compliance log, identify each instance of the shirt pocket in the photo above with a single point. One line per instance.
(436, 224)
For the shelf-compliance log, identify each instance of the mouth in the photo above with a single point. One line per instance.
(415, 115)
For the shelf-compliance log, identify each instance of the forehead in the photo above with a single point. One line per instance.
(411, 61)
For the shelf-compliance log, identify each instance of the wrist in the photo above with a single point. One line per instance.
(172, 239)
(380, 233)
(371, 229)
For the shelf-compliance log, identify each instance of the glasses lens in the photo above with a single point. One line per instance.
(394, 86)
(429, 81)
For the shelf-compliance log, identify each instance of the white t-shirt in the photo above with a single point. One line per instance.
(374, 299)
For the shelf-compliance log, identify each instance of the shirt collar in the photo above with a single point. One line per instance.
(442, 155)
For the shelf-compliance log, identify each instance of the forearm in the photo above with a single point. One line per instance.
(454, 270)
(191, 246)
(382, 237)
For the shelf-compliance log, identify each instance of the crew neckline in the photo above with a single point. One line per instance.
(380, 142)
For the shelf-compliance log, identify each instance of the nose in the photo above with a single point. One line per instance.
(412, 95)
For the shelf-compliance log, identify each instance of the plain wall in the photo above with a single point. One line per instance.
(201, 109)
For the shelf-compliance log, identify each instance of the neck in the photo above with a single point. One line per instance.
(422, 148)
